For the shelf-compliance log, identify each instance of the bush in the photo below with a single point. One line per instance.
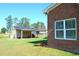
(3, 30)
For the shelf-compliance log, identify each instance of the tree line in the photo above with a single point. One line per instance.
(23, 22)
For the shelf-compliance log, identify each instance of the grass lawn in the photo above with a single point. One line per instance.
(25, 47)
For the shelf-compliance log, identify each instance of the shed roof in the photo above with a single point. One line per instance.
(28, 28)
(42, 30)
(23, 28)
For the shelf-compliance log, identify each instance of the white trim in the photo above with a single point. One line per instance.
(58, 29)
(71, 29)
(51, 7)
(76, 27)
(66, 29)
(55, 29)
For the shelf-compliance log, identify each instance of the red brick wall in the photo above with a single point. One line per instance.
(63, 11)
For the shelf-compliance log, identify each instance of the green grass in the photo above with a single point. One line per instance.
(26, 47)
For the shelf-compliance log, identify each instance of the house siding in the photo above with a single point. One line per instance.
(63, 11)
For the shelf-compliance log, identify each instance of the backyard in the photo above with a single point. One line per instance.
(26, 47)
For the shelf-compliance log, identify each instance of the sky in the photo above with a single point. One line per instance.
(33, 11)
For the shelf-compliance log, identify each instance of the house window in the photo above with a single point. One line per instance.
(66, 29)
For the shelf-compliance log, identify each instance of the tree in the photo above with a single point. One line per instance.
(24, 22)
(34, 25)
(38, 25)
(9, 23)
(15, 21)
(3, 30)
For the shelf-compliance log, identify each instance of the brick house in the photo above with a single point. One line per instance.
(63, 26)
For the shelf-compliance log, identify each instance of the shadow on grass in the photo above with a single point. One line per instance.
(40, 43)
(36, 42)
(45, 38)
(43, 43)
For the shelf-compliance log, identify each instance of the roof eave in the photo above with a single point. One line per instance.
(51, 7)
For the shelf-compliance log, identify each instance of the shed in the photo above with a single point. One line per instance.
(21, 32)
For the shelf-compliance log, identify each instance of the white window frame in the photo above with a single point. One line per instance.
(66, 29)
